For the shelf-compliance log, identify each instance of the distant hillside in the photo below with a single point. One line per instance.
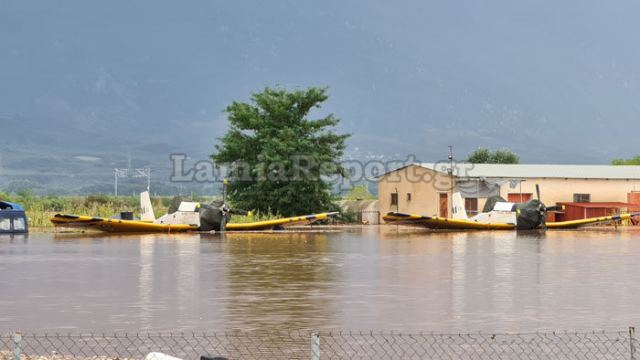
(83, 84)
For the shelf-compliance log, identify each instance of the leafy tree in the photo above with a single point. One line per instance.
(505, 156)
(480, 156)
(278, 159)
(486, 156)
(359, 192)
(633, 161)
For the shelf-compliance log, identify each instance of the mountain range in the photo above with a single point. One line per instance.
(88, 86)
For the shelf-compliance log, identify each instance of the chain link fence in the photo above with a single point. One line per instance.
(322, 345)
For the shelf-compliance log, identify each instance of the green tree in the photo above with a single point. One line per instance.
(486, 156)
(359, 192)
(633, 161)
(278, 159)
(505, 156)
(480, 156)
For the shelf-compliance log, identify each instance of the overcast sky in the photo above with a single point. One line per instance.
(557, 81)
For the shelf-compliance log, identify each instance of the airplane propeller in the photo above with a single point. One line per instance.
(533, 214)
(226, 210)
(216, 215)
(542, 209)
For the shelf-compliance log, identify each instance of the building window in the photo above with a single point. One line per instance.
(394, 199)
(581, 198)
(408, 196)
(471, 205)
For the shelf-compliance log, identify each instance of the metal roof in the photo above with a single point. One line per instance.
(524, 171)
(599, 205)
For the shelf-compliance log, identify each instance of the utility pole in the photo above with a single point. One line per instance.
(130, 173)
(118, 173)
(450, 171)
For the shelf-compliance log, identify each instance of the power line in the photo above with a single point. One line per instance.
(130, 173)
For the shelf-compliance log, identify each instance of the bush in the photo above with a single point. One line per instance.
(5, 197)
(486, 156)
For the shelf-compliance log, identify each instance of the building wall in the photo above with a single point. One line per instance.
(424, 185)
(561, 190)
(365, 211)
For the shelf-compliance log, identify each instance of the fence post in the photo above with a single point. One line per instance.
(632, 339)
(17, 348)
(315, 346)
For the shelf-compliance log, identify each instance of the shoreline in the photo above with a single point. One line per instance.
(328, 228)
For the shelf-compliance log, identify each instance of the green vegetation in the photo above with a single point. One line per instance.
(257, 216)
(40, 208)
(633, 161)
(277, 157)
(359, 192)
(486, 156)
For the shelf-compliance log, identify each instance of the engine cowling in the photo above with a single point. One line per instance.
(529, 215)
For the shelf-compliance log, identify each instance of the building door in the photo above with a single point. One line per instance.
(444, 205)
(519, 198)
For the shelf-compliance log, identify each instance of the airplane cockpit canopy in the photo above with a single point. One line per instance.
(491, 203)
(12, 218)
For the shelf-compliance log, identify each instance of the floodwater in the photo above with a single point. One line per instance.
(374, 278)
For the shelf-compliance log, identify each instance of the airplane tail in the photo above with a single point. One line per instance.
(146, 210)
(457, 207)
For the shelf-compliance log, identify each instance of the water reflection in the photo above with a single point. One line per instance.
(274, 278)
(145, 279)
(13, 238)
(374, 278)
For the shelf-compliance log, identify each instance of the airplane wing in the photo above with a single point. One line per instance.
(116, 225)
(442, 223)
(578, 223)
(276, 223)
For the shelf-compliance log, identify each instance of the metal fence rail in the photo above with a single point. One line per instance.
(322, 345)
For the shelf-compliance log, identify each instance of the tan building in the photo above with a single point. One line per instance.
(425, 188)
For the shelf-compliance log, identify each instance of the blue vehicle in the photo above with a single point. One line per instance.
(13, 219)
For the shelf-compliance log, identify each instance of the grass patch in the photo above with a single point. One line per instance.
(40, 208)
(256, 216)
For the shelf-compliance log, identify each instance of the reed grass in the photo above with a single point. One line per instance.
(254, 216)
(40, 209)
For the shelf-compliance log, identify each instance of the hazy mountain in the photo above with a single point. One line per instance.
(85, 83)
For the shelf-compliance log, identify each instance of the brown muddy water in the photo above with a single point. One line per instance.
(374, 278)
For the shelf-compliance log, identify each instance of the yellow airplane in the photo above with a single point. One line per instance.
(189, 216)
(501, 215)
